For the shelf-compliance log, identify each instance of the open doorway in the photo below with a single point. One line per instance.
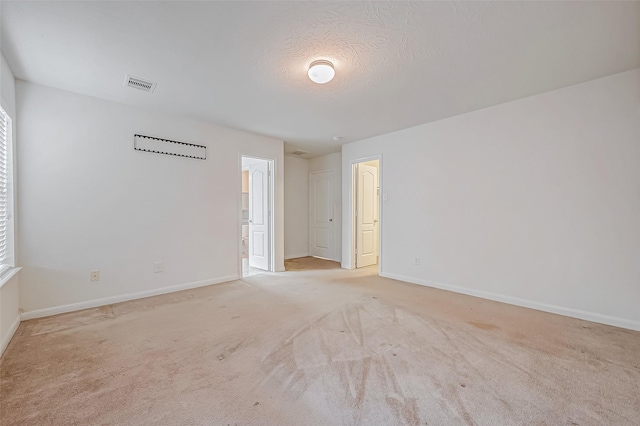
(256, 223)
(366, 213)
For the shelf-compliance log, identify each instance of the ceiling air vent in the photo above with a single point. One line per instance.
(298, 152)
(140, 84)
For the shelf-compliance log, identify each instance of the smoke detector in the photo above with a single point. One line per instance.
(139, 83)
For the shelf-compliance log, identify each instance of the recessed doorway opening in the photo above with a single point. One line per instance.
(256, 220)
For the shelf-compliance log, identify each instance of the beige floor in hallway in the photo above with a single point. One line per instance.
(318, 346)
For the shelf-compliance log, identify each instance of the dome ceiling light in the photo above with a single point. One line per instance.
(321, 71)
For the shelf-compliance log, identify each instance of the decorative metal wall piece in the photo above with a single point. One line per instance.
(169, 147)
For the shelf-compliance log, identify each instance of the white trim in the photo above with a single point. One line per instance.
(554, 309)
(325, 258)
(12, 330)
(295, 256)
(8, 274)
(10, 165)
(324, 170)
(46, 312)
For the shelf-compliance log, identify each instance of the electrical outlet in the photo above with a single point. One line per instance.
(416, 260)
(158, 267)
(94, 276)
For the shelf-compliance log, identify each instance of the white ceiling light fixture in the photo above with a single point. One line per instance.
(321, 71)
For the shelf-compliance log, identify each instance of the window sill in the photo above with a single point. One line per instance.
(8, 274)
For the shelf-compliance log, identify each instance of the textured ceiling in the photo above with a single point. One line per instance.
(243, 64)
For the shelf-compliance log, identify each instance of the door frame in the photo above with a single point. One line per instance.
(352, 209)
(271, 196)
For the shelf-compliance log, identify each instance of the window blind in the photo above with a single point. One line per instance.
(4, 133)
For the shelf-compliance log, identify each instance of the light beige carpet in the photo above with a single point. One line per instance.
(319, 347)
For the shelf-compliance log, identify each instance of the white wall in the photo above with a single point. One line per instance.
(325, 163)
(296, 207)
(89, 201)
(534, 202)
(9, 287)
(9, 309)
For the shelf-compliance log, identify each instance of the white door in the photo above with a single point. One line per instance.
(367, 216)
(321, 241)
(259, 215)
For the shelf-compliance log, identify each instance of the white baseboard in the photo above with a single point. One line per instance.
(46, 312)
(569, 312)
(12, 330)
(327, 258)
(295, 256)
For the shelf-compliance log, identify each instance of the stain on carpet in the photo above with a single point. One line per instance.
(483, 325)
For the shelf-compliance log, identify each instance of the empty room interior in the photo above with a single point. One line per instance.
(320, 213)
